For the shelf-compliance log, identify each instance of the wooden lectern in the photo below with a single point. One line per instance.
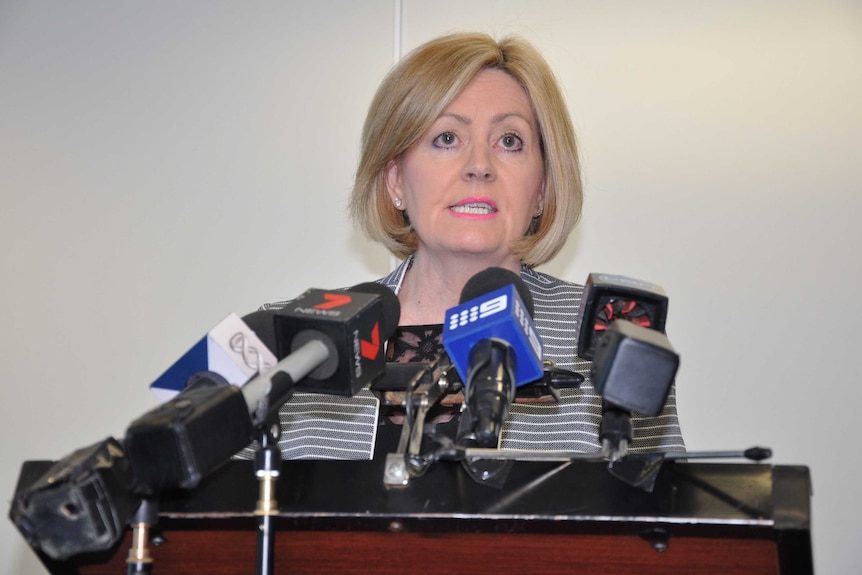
(337, 517)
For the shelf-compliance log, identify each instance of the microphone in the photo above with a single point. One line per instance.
(231, 352)
(494, 346)
(353, 325)
(84, 502)
(80, 505)
(622, 324)
(331, 339)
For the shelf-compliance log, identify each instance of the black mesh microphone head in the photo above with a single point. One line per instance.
(391, 306)
(495, 278)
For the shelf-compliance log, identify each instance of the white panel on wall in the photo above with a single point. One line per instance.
(163, 164)
(720, 145)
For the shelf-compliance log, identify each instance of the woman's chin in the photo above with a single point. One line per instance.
(479, 250)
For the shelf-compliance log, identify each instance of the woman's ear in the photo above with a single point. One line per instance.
(392, 177)
(540, 199)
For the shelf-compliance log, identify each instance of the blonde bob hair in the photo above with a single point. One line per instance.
(412, 97)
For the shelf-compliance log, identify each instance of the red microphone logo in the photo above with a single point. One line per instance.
(333, 300)
(370, 349)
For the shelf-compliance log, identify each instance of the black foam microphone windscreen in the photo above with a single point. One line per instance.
(494, 278)
(80, 505)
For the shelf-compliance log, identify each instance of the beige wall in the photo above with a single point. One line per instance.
(163, 164)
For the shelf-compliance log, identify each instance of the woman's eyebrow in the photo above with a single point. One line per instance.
(495, 120)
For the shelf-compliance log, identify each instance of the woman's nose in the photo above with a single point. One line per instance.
(480, 164)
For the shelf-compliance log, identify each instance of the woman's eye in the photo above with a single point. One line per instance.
(511, 142)
(445, 140)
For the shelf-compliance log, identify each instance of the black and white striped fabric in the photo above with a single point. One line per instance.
(315, 426)
(327, 427)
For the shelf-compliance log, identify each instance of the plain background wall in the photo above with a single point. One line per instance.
(163, 164)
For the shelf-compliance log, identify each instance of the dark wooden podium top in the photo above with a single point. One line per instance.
(338, 517)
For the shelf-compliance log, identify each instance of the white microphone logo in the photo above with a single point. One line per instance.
(250, 355)
(476, 312)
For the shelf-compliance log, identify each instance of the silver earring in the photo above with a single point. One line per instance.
(540, 211)
(397, 202)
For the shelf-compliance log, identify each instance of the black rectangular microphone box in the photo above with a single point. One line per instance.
(348, 323)
(634, 367)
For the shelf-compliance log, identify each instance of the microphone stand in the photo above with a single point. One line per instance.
(139, 561)
(267, 468)
(422, 392)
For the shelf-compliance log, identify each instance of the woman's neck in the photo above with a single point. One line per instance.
(433, 285)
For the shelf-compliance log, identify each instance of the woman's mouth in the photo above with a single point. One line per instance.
(474, 207)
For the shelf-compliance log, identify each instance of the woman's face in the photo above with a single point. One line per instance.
(474, 180)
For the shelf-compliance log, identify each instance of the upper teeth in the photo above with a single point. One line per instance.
(473, 208)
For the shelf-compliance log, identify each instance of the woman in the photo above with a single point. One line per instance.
(469, 161)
